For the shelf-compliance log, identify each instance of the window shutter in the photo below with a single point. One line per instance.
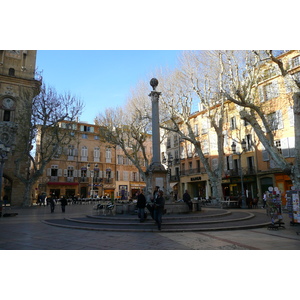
(291, 141)
(279, 119)
(112, 174)
(265, 155)
(261, 93)
(75, 173)
(65, 173)
(59, 173)
(285, 147)
(275, 89)
(49, 172)
(291, 116)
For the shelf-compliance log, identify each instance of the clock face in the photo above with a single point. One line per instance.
(8, 103)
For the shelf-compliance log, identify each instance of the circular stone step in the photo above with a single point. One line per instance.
(199, 221)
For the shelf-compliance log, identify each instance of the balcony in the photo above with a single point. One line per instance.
(54, 178)
(192, 171)
(246, 171)
(174, 178)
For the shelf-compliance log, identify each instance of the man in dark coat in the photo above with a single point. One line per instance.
(187, 199)
(141, 204)
(63, 202)
(159, 204)
(51, 200)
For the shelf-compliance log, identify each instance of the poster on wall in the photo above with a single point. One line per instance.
(293, 205)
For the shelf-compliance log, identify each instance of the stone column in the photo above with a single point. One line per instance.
(157, 174)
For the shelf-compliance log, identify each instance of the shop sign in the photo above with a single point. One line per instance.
(196, 178)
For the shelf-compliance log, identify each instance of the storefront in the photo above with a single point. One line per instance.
(196, 186)
(250, 187)
(284, 183)
(59, 189)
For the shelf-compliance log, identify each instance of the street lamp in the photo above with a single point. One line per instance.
(233, 148)
(4, 150)
(170, 160)
(92, 176)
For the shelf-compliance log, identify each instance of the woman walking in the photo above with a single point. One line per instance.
(158, 206)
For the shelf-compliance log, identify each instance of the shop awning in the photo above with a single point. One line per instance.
(172, 184)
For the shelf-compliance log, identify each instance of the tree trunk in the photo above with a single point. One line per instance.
(295, 176)
(27, 195)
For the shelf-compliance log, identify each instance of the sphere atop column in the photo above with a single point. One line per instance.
(154, 83)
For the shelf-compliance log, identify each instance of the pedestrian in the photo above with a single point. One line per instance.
(159, 203)
(187, 199)
(51, 201)
(155, 193)
(264, 199)
(141, 204)
(63, 202)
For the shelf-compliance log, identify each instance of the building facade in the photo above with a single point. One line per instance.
(251, 165)
(17, 88)
(90, 167)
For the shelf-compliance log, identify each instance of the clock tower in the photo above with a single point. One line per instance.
(17, 88)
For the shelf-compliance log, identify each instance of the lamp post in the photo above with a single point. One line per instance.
(170, 161)
(4, 150)
(92, 176)
(233, 148)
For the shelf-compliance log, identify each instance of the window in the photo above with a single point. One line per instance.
(71, 151)
(134, 176)
(204, 128)
(97, 152)
(295, 61)
(250, 164)
(86, 128)
(196, 131)
(108, 155)
(278, 146)
(11, 72)
(6, 116)
(268, 91)
(70, 171)
(175, 140)
(168, 142)
(54, 170)
(120, 159)
(232, 123)
(84, 136)
(84, 153)
(96, 137)
(275, 120)
(249, 142)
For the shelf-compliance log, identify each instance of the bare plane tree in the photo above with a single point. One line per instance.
(42, 119)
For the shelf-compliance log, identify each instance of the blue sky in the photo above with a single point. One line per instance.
(101, 78)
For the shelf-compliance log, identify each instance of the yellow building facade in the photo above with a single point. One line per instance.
(90, 167)
(259, 170)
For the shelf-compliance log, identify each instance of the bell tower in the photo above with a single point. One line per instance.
(17, 88)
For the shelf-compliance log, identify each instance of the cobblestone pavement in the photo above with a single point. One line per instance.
(27, 232)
